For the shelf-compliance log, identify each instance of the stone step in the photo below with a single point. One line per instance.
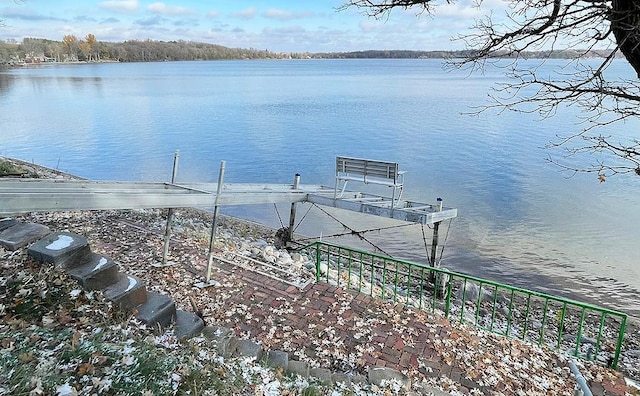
(96, 273)
(187, 324)
(128, 292)
(22, 234)
(61, 249)
(7, 222)
(159, 309)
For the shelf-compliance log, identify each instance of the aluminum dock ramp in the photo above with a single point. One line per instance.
(42, 195)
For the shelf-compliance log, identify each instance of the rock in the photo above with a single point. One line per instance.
(284, 260)
(298, 368)
(277, 359)
(379, 374)
(187, 324)
(323, 375)
(633, 353)
(248, 348)
(341, 378)
(223, 338)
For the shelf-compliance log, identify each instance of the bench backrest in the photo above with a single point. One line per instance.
(367, 168)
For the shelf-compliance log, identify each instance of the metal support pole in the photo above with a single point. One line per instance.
(434, 241)
(292, 215)
(436, 227)
(167, 229)
(214, 224)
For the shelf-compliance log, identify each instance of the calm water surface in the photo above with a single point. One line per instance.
(521, 220)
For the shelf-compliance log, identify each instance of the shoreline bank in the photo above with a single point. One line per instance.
(191, 229)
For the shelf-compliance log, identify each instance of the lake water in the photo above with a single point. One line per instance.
(521, 220)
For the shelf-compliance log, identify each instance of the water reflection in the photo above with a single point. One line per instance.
(7, 80)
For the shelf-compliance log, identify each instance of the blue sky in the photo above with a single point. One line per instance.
(276, 25)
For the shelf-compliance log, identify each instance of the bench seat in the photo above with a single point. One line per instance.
(369, 172)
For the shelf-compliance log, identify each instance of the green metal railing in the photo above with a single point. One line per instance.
(583, 330)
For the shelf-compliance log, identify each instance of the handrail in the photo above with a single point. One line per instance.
(581, 329)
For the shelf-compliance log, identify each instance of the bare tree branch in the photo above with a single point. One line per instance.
(604, 27)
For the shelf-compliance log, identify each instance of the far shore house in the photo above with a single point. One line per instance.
(38, 59)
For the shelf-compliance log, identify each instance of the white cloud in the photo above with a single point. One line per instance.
(213, 14)
(370, 25)
(283, 15)
(163, 9)
(120, 5)
(247, 13)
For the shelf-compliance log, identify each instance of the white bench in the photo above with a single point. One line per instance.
(369, 172)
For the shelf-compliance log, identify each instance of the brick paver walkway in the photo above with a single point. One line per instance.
(281, 316)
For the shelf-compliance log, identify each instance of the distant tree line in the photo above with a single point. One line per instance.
(407, 54)
(89, 49)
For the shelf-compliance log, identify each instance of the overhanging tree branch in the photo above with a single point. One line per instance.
(602, 28)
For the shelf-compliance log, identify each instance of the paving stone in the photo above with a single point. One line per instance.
(188, 324)
(222, 338)
(128, 292)
(249, 348)
(22, 234)
(7, 222)
(159, 309)
(61, 249)
(278, 359)
(323, 375)
(96, 273)
(299, 368)
(378, 374)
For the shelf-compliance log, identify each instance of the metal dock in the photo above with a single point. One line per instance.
(42, 195)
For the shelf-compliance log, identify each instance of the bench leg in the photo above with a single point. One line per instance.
(396, 200)
(342, 190)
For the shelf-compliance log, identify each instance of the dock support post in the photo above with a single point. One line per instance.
(214, 223)
(292, 215)
(167, 229)
(434, 241)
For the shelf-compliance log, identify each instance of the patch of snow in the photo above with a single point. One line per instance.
(132, 283)
(101, 263)
(63, 241)
(66, 390)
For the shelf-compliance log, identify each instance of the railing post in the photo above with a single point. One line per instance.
(616, 357)
(318, 252)
(447, 306)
